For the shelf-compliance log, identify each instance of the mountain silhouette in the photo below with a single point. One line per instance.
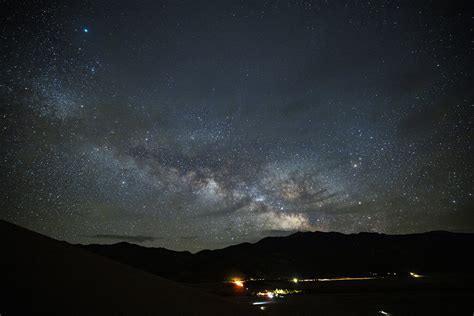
(305, 255)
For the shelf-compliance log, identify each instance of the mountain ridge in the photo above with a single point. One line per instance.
(305, 254)
(272, 237)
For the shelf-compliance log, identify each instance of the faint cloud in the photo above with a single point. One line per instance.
(130, 238)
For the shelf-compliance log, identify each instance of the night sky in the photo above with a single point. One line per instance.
(200, 124)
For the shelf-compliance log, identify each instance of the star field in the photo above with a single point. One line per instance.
(193, 125)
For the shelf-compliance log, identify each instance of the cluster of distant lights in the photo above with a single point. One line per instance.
(280, 293)
(277, 293)
(241, 283)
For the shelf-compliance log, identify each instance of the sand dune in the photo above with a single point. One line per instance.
(41, 275)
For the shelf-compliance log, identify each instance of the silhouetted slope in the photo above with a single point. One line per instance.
(306, 255)
(40, 275)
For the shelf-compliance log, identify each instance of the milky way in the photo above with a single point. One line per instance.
(192, 125)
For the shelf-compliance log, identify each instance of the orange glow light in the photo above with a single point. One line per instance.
(238, 283)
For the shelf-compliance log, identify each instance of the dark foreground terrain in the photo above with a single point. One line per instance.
(43, 276)
(40, 275)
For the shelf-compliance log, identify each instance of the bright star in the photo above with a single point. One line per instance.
(86, 30)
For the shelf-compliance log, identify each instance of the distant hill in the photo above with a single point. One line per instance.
(43, 276)
(308, 254)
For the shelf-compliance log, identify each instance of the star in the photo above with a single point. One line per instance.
(269, 132)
